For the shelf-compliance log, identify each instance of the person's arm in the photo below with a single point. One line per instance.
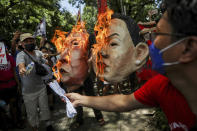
(14, 42)
(119, 103)
(17, 80)
(20, 62)
(22, 69)
(16, 77)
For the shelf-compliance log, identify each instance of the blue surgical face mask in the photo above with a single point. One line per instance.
(156, 57)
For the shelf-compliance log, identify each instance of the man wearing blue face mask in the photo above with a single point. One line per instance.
(174, 54)
(156, 54)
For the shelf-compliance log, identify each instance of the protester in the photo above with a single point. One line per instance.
(16, 46)
(45, 43)
(8, 84)
(33, 88)
(45, 51)
(53, 55)
(174, 53)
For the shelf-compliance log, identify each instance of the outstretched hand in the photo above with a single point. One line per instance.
(75, 99)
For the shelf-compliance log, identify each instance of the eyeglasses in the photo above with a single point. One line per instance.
(153, 35)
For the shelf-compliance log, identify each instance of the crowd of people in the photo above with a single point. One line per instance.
(20, 84)
(169, 46)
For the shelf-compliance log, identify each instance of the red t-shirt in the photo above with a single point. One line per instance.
(6, 73)
(158, 91)
(146, 72)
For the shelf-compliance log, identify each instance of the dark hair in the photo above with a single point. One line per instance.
(134, 32)
(182, 15)
(54, 49)
(91, 42)
(48, 42)
(43, 48)
(2, 39)
(92, 39)
(132, 27)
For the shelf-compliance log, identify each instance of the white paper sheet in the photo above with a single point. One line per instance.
(70, 110)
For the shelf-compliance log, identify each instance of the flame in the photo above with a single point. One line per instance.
(103, 22)
(64, 43)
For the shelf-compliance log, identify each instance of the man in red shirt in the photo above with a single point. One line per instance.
(174, 54)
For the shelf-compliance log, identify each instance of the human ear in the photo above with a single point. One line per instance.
(141, 53)
(190, 51)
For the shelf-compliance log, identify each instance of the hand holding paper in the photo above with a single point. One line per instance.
(71, 112)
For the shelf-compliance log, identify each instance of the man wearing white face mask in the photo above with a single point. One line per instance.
(174, 54)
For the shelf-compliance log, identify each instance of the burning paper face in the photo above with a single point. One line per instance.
(72, 67)
(114, 55)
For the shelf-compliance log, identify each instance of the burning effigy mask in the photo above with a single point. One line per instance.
(72, 67)
(118, 52)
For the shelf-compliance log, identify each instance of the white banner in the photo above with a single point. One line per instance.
(3, 59)
(41, 28)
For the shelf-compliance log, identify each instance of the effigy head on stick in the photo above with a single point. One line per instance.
(118, 51)
(72, 67)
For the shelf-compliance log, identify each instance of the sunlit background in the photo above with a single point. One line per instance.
(67, 6)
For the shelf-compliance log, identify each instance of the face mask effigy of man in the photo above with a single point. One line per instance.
(156, 56)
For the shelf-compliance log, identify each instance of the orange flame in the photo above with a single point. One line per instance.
(103, 22)
(64, 43)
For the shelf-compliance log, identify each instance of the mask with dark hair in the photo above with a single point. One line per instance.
(116, 57)
(30, 47)
(132, 27)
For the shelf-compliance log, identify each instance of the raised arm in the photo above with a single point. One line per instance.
(119, 103)
(14, 42)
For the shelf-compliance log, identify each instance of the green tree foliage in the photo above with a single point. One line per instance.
(76, 3)
(137, 9)
(90, 17)
(25, 15)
